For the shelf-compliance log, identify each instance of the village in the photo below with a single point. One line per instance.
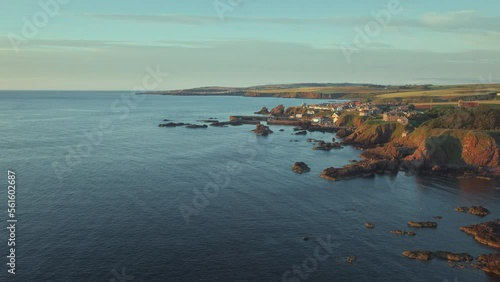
(334, 114)
(328, 114)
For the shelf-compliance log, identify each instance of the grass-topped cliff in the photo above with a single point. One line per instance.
(453, 146)
(368, 92)
(375, 132)
(454, 138)
(350, 119)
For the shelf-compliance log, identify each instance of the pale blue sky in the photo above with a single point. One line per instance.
(108, 44)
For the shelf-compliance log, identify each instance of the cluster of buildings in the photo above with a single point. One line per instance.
(391, 112)
(467, 104)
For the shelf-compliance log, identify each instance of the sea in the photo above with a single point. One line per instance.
(104, 194)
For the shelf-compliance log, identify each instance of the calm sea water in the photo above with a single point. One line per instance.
(114, 213)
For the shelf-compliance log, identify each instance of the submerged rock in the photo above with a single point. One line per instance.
(303, 132)
(402, 232)
(423, 224)
(197, 126)
(369, 225)
(226, 123)
(300, 167)
(487, 233)
(398, 232)
(313, 140)
(172, 124)
(350, 259)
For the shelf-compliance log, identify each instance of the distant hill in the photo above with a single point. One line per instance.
(409, 93)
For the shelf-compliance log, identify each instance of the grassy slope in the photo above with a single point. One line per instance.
(453, 91)
(390, 92)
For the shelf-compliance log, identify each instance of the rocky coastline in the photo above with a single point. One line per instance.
(433, 152)
(391, 148)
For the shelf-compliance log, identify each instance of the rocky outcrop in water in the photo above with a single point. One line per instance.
(475, 210)
(172, 124)
(278, 111)
(423, 224)
(402, 232)
(263, 111)
(194, 126)
(487, 233)
(419, 255)
(452, 256)
(327, 146)
(489, 263)
(358, 169)
(226, 123)
(364, 168)
(300, 167)
(444, 255)
(262, 130)
(479, 211)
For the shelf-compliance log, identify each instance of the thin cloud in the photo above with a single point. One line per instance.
(204, 20)
(454, 21)
(93, 45)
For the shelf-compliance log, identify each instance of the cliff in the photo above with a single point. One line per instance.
(351, 120)
(374, 132)
(435, 151)
(452, 147)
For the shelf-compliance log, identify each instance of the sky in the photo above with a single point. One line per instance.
(113, 45)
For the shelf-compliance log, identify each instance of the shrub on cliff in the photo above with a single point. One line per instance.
(481, 118)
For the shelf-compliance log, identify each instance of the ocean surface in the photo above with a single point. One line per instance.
(104, 194)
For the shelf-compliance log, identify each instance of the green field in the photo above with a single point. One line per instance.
(413, 93)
